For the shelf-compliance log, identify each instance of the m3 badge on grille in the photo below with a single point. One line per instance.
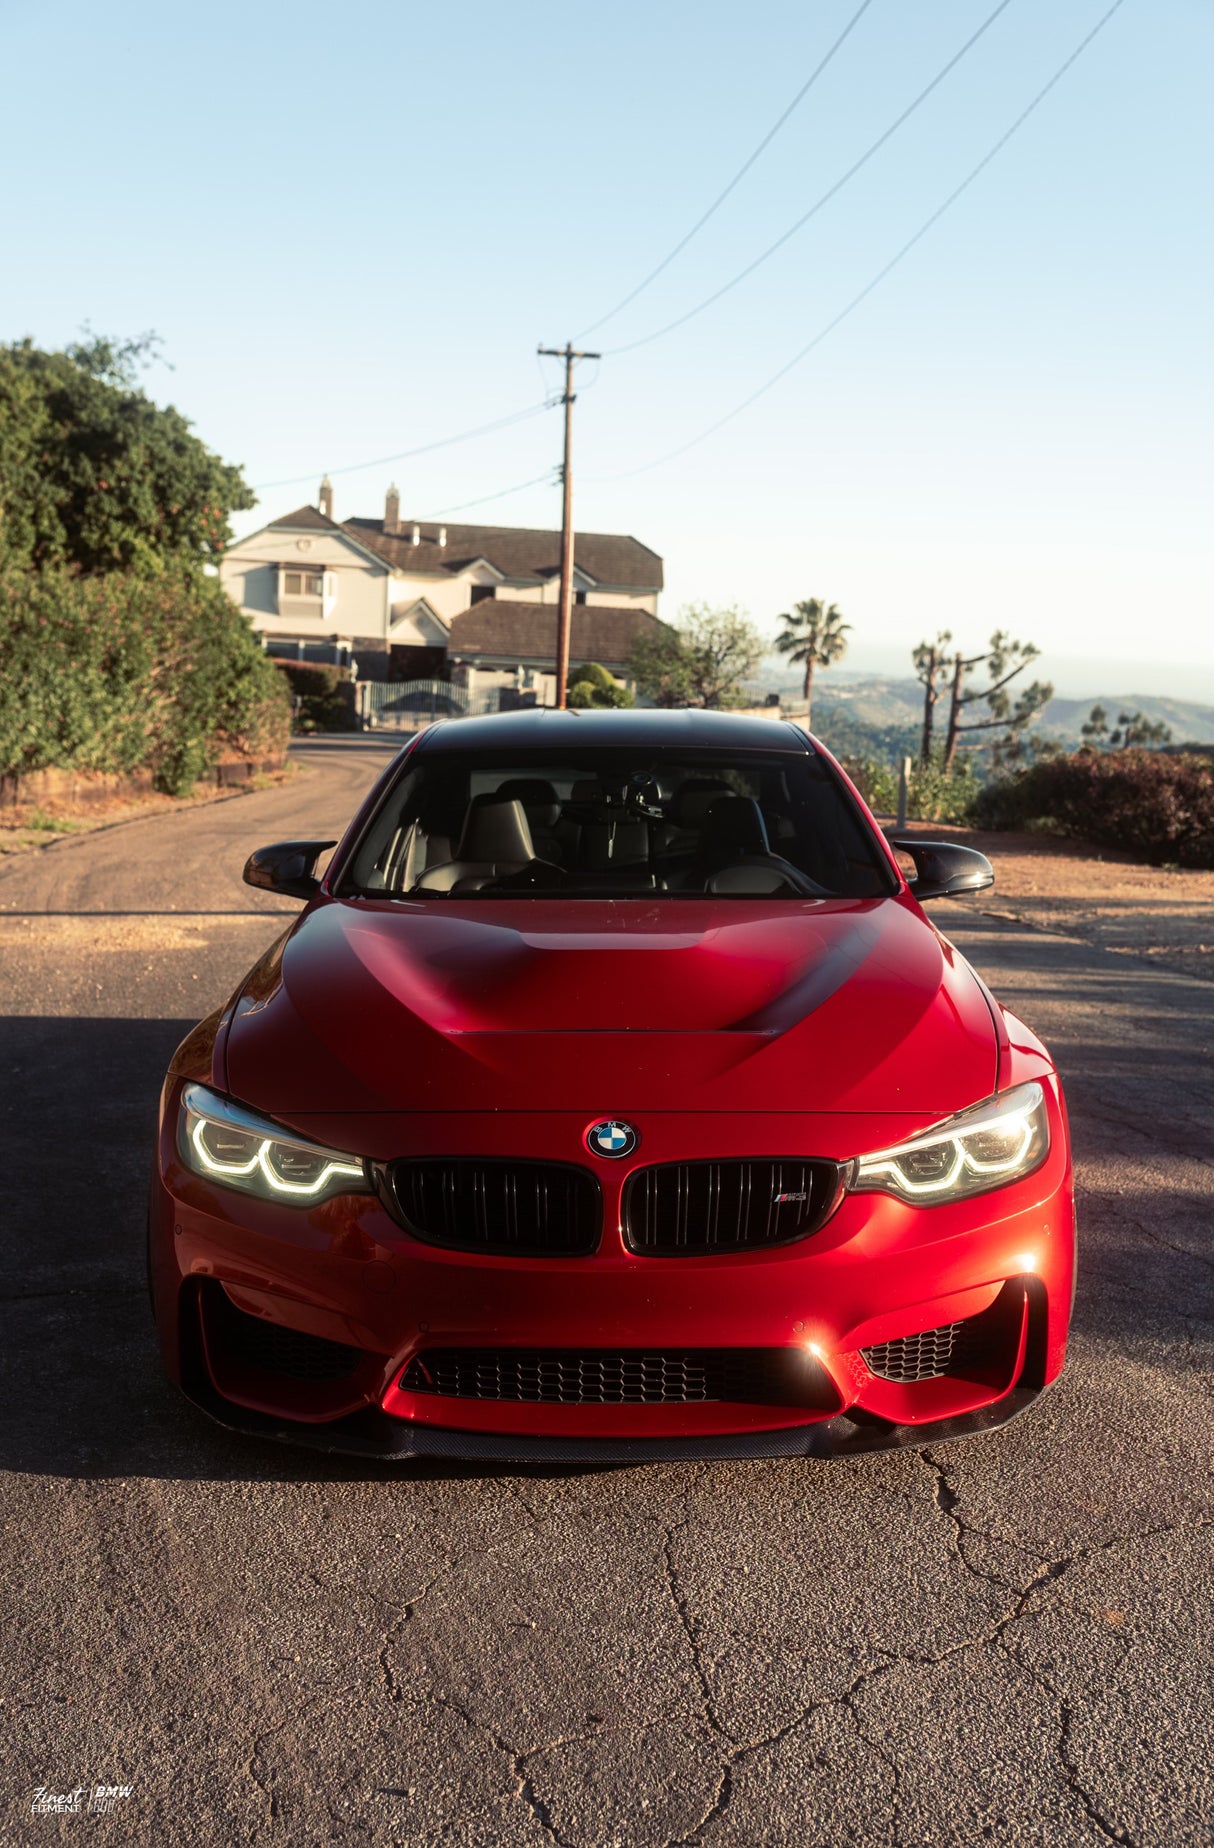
(612, 1138)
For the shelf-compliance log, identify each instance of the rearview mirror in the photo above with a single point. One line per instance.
(288, 867)
(944, 869)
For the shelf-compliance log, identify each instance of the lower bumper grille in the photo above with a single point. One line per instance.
(529, 1208)
(915, 1357)
(251, 1342)
(566, 1376)
(696, 1208)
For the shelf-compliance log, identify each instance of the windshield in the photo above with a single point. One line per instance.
(619, 824)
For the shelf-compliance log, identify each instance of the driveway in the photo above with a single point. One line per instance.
(1005, 1641)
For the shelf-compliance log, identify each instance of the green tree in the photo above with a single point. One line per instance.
(1095, 729)
(1133, 730)
(592, 685)
(1003, 659)
(702, 660)
(815, 635)
(930, 659)
(94, 475)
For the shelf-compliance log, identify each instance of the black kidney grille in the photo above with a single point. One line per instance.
(533, 1208)
(570, 1376)
(687, 1209)
(914, 1357)
(274, 1349)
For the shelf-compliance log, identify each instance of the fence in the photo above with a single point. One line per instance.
(408, 705)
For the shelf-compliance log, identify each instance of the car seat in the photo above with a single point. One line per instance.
(495, 842)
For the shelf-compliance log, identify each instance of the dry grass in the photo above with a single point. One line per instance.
(27, 825)
(1105, 898)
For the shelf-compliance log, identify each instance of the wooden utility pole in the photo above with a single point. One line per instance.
(565, 614)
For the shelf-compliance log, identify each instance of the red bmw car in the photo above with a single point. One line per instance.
(613, 1098)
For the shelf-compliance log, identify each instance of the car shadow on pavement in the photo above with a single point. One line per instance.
(85, 1396)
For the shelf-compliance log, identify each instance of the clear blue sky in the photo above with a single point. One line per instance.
(353, 224)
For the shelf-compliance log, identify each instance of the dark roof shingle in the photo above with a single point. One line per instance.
(612, 559)
(505, 629)
(306, 516)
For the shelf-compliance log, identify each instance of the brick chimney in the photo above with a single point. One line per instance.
(325, 502)
(392, 510)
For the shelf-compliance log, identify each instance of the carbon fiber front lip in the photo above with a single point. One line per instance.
(373, 1434)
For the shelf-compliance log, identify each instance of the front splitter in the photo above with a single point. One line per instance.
(374, 1434)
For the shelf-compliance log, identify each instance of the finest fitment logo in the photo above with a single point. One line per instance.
(85, 1800)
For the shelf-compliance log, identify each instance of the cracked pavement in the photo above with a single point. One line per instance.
(1006, 1641)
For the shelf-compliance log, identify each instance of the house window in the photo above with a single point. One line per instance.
(579, 596)
(479, 592)
(302, 583)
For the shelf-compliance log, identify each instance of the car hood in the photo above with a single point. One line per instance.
(839, 1005)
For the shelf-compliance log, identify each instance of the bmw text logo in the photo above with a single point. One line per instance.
(612, 1138)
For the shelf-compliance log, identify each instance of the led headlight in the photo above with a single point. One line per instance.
(972, 1153)
(236, 1148)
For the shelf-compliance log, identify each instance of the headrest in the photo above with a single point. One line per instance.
(693, 798)
(734, 827)
(496, 832)
(750, 880)
(538, 797)
(587, 789)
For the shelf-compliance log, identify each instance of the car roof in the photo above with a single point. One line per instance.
(537, 728)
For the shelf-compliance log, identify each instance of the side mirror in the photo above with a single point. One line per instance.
(943, 869)
(288, 867)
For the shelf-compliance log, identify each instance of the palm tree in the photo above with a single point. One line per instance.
(816, 634)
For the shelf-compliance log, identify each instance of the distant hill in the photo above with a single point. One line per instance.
(895, 707)
(1190, 723)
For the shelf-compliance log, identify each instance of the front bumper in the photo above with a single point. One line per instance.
(878, 1271)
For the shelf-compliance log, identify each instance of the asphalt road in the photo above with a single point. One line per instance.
(1004, 1641)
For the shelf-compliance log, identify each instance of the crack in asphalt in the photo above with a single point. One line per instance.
(525, 1789)
(1156, 1137)
(517, 1758)
(947, 1500)
(1167, 1244)
(707, 1698)
(406, 1610)
(1109, 1829)
(260, 1740)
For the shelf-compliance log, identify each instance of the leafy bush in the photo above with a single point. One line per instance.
(326, 695)
(934, 795)
(877, 782)
(124, 672)
(593, 685)
(1145, 802)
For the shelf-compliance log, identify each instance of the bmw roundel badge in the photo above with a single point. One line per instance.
(611, 1139)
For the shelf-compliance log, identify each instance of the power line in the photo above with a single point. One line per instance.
(825, 199)
(740, 175)
(424, 449)
(879, 278)
(547, 477)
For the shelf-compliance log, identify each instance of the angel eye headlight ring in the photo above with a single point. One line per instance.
(234, 1147)
(963, 1145)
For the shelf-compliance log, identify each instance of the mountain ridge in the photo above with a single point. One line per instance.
(885, 702)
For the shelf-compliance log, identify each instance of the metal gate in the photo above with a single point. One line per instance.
(408, 705)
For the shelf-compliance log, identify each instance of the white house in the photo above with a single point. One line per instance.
(412, 594)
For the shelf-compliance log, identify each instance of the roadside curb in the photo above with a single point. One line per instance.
(78, 837)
